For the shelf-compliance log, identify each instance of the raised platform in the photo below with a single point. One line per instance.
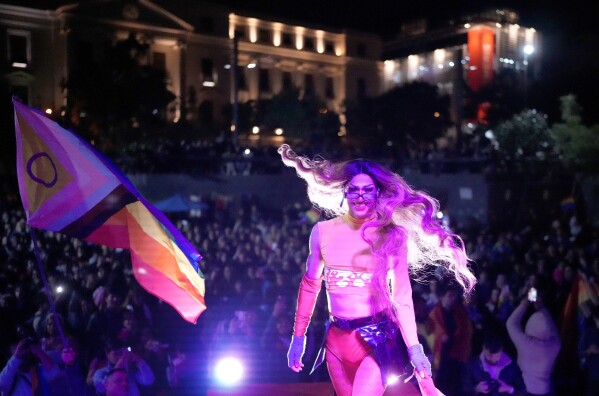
(302, 389)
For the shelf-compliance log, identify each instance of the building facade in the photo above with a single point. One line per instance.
(463, 54)
(43, 46)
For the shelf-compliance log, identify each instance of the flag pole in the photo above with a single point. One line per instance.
(65, 342)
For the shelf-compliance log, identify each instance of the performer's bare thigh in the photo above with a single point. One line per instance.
(341, 375)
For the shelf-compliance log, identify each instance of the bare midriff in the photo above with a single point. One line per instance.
(348, 267)
(349, 306)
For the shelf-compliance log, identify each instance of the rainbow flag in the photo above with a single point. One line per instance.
(67, 186)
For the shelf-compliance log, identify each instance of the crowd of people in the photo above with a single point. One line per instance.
(221, 156)
(120, 340)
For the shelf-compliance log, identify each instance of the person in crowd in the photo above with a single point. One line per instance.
(118, 356)
(117, 382)
(382, 229)
(28, 371)
(493, 372)
(588, 350)
(451, 335)
(537, 345)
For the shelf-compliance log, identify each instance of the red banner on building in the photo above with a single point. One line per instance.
(481, 49)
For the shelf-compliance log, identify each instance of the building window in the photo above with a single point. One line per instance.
(329, 47)
(287, 40)
(264, 36)
(309, 84)
(361, 88)
(329, 88)
(361, 50)
(287, 82)
(242, 83)
(309, 43)
(207, 69)
(159, 60)
(240, 34)
(19, 48)
(264, 80)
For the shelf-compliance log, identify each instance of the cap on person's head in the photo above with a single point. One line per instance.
(540, 326)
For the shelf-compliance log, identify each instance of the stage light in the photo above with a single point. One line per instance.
(228, 371)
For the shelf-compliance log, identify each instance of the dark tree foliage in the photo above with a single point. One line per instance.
(117, 95)
(410, 114)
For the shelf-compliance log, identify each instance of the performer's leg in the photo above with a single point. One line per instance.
(341, 375)
(368, 381)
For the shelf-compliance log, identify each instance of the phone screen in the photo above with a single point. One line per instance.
(532, 294)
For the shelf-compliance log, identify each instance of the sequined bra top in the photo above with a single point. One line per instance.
(348, 262)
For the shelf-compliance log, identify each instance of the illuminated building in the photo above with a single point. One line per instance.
(193, 44)
(473, 49)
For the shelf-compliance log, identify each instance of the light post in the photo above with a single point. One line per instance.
(528, 50)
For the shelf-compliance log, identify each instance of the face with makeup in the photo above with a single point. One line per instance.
(361, 194)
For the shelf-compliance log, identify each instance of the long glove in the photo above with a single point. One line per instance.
(296, 352)
(419, 360)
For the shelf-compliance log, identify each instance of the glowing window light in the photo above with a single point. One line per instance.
(276, 34)
(299, 37)
(320, 41)
(253, 29)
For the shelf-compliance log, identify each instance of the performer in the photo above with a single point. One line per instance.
(382, 229)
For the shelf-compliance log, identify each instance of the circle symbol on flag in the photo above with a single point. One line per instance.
(36, 157)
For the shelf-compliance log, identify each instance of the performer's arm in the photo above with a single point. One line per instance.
(306, 300)
(402, 297)
(309, 286)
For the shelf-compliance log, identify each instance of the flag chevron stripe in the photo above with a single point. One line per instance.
(96, 216)
(68, 186)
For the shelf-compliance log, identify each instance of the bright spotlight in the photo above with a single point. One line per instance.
(279, 131)
(392, 379)
(439, 215)
(529, 49)
(228, 371)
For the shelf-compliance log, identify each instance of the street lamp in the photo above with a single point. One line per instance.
(528, 50)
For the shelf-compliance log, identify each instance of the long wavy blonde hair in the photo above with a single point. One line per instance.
(403, 215)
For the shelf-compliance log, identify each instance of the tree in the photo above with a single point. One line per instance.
(304, 117)
(118, 93)
(577, 143)
(409, 114)
(525, 136)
